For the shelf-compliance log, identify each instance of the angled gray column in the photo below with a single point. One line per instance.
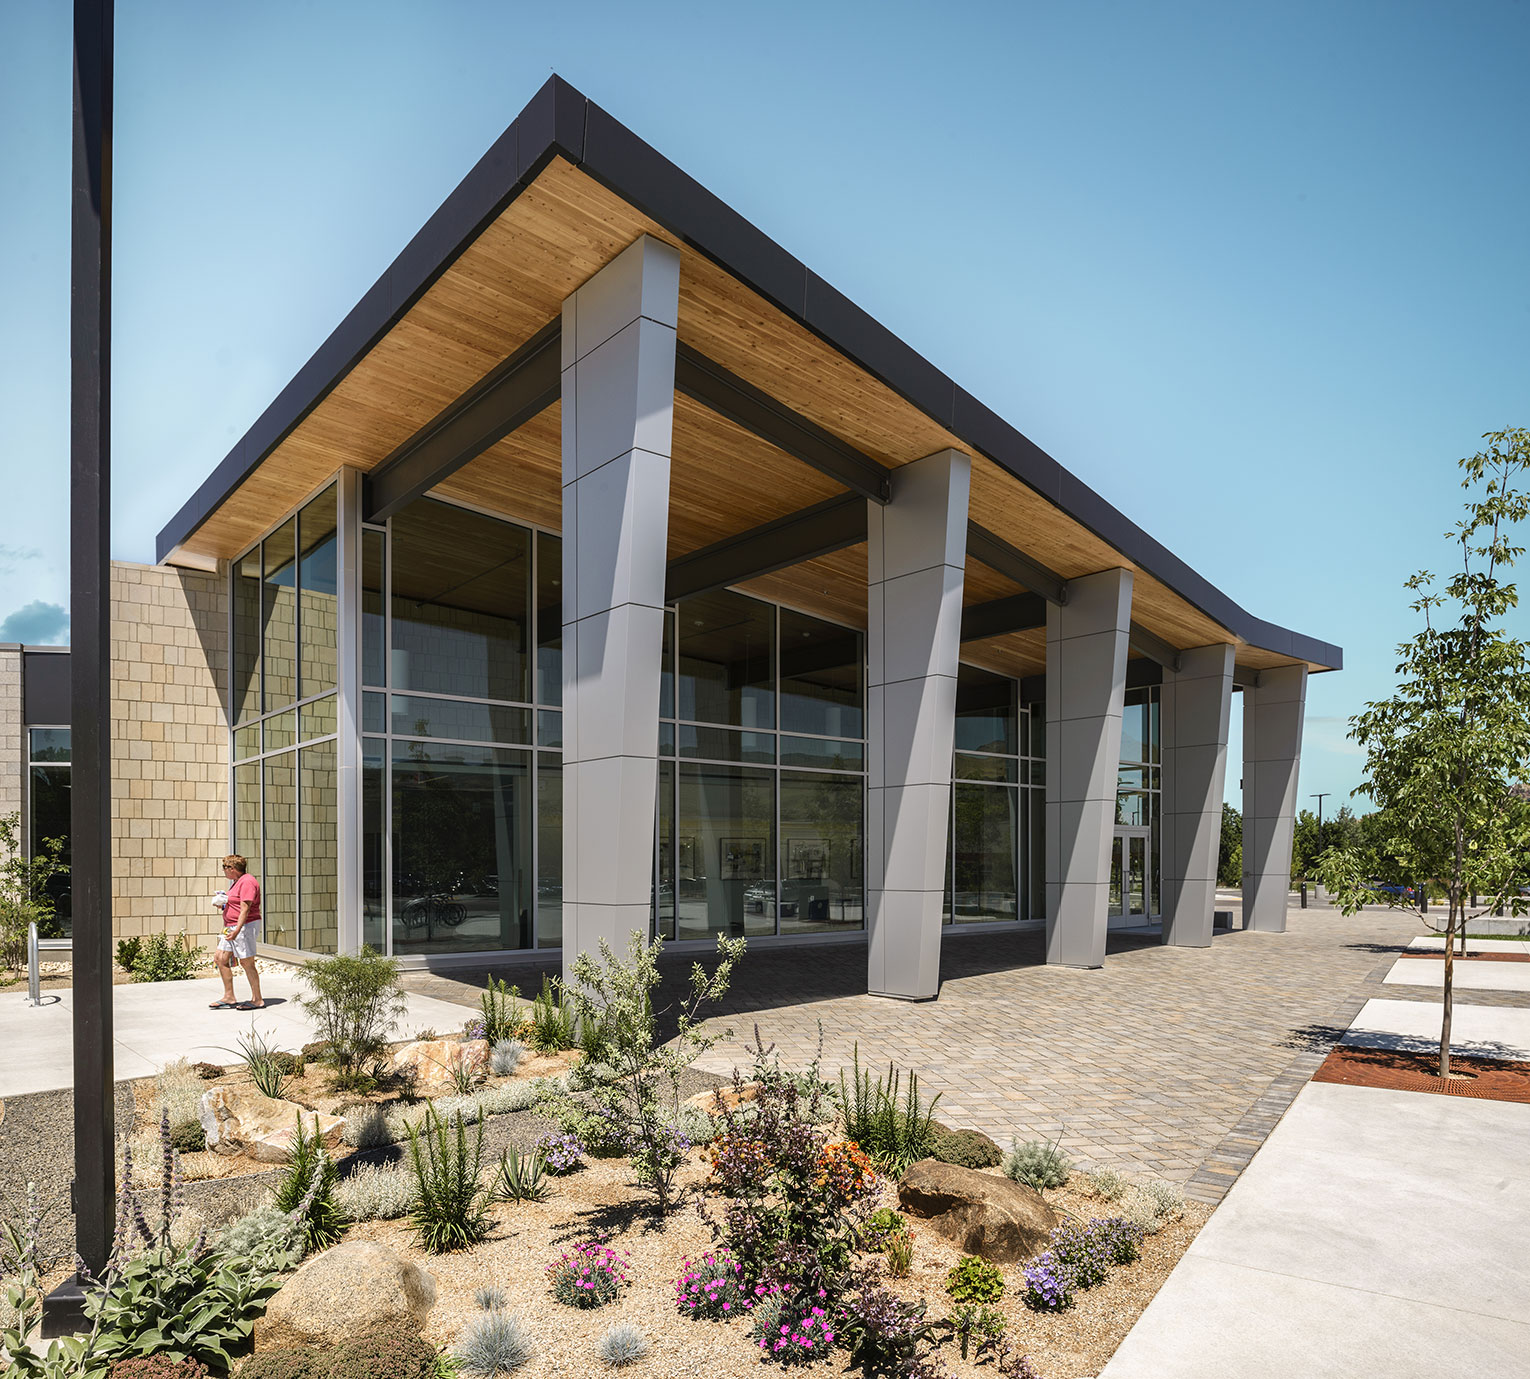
(917, 553)
(618, 413)
(1272, 751)
(1086, 684)
(1195, 708)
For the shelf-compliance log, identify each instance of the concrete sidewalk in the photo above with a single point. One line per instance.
(1468, 976)
(1376, 1235)
(155, 1023)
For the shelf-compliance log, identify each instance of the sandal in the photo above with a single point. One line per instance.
(250, 1005)
(224, 1005)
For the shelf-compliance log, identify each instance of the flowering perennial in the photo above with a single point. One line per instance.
(589, 1275)
(1049, 1283)
(845, 1174)
(798, 1335)
(562, 1153)
(713, 1288)
(1121, 1237)
(1084, 1250)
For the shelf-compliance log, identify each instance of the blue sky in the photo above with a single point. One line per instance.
(1257, 272)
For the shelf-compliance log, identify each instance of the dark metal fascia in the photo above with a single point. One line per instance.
(999, 555)
(1017, 613)
(528, 382)
(819, 530)
(730, 396)
(1150, 644)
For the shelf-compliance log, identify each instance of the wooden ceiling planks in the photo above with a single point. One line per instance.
(513, 279)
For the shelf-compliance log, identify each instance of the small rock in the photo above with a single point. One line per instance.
(995, 1218)
(727, 1097)
(344, 1292)
(239, 1120)
(433, 1062)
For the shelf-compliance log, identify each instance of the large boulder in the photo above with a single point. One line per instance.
(985, 1214)
(433, 1063)
(239, 1120)
(344, 1292)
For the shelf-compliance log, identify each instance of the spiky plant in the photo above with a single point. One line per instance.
(451, 1212)
(505, 1056)
(622, 1344)
(492, 1344)
(307, 1190)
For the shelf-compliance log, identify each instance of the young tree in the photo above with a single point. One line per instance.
(1445, 753)
(24, 895)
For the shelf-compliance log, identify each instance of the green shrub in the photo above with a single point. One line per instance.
(1152, 1205)
(128, 950)
(975, 1280)
(177, 1092)
(179, 1306)
(501, 1007)
(893, 1127)
(354, 1002)
(163, 959)
(307, 1190)
(268, 1068)
(965, 1148)
(389, 1351)
(188, 1137)
(271, 1239)
(375, 1193)
(881, 1224)
(552, 1021)
(1037, 1164)
(1106, 1184)
(900, 1254)
(976, 1327)
(522, 1177)
(366, 1127)
(451, 1208)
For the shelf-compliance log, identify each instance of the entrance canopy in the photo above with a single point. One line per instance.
(793, 408)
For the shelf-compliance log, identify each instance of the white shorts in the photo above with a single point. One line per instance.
(242, 945)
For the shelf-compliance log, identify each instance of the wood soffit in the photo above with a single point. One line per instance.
(511, 281)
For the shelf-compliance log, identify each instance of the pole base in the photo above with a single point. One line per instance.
(64, 1310)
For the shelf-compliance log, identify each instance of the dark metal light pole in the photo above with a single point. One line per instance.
(95, 1188)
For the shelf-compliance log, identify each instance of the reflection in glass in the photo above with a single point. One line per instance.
(461, 603)
(374, 862)
(549, 728)
(416, 716)
(549, 619)
(278, 883)
(725, 744)
(549, 850)
(247, 741)
(667, 666)
(317, 800)
(373, 631)
(49, 744)
(968, 767)
(1036, 812)
(725, 662)
(821, 689)
(985, 711)
(317, 587)
(318, 718)
(280, 730)
(664, 900)
(823, 752)
(725, 851)
(984, 838)
(821, 878)
(278, 614)
(374, 713)
(247, 815)
(1135, 727)
(246, 658)
(49, 818)
(461, 848)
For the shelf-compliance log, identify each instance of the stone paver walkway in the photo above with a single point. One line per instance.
(1147, 1065)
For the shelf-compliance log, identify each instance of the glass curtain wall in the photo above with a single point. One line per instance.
(461, 765)
(1139, 800)
(48, 780)
(283, 705)
(762, 790)
(995, 854)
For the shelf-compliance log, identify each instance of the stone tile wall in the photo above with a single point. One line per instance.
(169, 749)
(13, 755)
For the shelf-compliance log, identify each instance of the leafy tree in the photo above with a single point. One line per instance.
(25, 897)
(1446, 753)
(1230, 853)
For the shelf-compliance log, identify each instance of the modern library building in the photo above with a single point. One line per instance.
(606, 571)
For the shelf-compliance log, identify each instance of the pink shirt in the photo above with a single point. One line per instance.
(246, 888)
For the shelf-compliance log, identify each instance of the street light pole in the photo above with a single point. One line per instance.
(94, 1189)
(1320, 798)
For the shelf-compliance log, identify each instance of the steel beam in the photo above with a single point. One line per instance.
(526, 383)
(95, 1188)
(1150, 644)
(725, 393)
(999, 555)
(1017, 613)
(819, 530)
(1245, 677)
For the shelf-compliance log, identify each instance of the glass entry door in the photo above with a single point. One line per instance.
(1129, 875)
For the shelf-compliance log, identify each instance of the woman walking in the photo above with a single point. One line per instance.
(241, 921)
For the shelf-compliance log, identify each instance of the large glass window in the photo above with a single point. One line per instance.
(278, 883)
(462, 862)
(245, 700)
(461, 604)
(278, 614)
(759, 832)
(48, 781)
(318, 900)
(549, 619)
(1134, 887)
(994, 849)
(317, 603)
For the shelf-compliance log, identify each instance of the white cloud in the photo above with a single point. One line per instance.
(37, 623)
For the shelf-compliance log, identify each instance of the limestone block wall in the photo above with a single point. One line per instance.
(169, 749)
(13, 752)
